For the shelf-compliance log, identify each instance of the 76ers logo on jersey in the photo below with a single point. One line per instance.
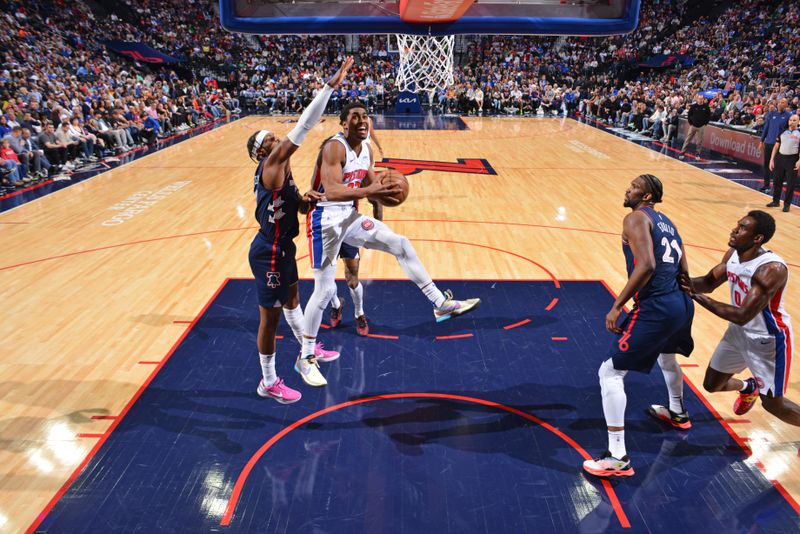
(273, 279)
(367, 224)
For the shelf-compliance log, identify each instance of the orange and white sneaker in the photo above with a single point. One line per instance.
(608, 466)
(678, 420)
(745, 401)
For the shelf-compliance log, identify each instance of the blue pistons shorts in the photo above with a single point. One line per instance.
(274, 268)
(654, 326)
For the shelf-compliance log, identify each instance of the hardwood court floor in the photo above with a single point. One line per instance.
(99, 280)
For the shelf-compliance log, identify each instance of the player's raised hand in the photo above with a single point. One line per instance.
(337, 78)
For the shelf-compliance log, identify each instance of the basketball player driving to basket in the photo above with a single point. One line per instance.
(346, 162)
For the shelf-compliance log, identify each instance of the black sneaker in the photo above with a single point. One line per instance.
(362, 326)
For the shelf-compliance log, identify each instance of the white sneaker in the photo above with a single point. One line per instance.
(452, 307)
(309, 372)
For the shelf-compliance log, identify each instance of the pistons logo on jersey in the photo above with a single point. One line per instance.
(273, 279)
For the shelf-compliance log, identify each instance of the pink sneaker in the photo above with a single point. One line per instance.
(323, 355)
(278, 391)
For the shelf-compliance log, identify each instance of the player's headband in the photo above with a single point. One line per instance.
(260, 136)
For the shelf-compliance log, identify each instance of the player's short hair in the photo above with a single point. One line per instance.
(346, 110)
(654, 186)
(765, 224)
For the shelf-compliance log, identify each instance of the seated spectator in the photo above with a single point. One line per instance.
(55, 150)
(8, 155)
(87, 140)
(23, 156)
(9, 173)
(671, 122)
(41, 165)
(653, 123)
(72, 144)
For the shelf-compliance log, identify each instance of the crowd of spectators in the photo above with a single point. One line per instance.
(744, 62)
(67, 100)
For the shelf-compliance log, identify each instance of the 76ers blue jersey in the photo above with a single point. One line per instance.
(276, 209)
(667, 249)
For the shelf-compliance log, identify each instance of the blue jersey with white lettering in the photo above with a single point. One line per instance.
(667, 249)
(276, 209)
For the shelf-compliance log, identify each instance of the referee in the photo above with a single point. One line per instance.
(785, 163)
(774, 123)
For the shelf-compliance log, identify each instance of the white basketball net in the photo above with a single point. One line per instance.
(426, 63)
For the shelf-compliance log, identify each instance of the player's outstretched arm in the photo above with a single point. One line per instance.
(309, 118)
(712, 279)
(767, 280)
(636, 228)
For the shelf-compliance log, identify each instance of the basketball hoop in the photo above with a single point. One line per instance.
(426, 63)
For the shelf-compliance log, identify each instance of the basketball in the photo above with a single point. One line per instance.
(393, 177)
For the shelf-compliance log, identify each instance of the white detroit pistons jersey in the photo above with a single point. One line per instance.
(353, 173)
(773, 319)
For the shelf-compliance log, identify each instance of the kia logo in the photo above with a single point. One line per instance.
(408, 100)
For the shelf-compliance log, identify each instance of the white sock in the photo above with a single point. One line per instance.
(673, 376)
(308, 346)
(747, 386)
(616, 443)
(295, 319)
(268, 368)
(434, 295)
(357, 295)
(335, 301)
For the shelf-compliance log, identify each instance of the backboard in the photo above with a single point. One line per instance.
(521, 17)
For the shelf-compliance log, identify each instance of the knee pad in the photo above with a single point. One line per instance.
(323, 293)
(324, 287)
(610, 378)
(393, 243)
